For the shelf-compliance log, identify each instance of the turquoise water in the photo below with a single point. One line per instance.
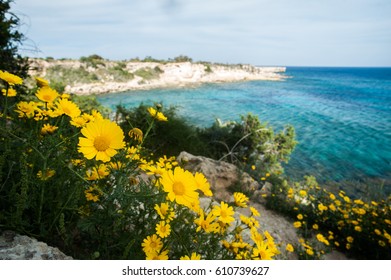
(342, 116)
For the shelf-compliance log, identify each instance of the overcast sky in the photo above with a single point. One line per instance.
(260, 32)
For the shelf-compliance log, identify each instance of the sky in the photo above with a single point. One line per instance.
(258, 32)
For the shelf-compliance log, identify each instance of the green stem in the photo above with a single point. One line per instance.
(6, 102)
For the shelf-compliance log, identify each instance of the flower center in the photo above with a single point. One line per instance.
(223, 213)
(101, 143)
(178, 188)
(153, 245)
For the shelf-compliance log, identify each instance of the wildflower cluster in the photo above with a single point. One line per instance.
(74, 180)
(357, 227)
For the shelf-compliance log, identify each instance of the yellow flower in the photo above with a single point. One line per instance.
(322, 207)
(78, 121)
(262, 252)
(92, 194)
(322, 239)
(315, 226)
(302, 193)
(254, 212)
(378, 232)
(163, 229)
(152, 244)
(358, 228)
(11, 79)
(289, 248)
(11, 92)
(68, 108)
(26, 109)
(46, 174)
(164, 211)
(41, 82)
(382, 243)
(207, 223)
(194, 256)
(297, 224)
(240, 199)
(136, 134)
(48, 129)
(347, 199)
(155, 255)
(224, 213)
(47, 94)
(202, 184)
(180, 186)
(350, 239)
(309, 252)
(300, 217)
(253, 167)
(97, 173)
(102, 139)
(157, 115)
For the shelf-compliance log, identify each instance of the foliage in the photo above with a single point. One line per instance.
(10, 41)
(332, 220)
(166, 138)
(93, 60)
(148, 73)
(71, 179)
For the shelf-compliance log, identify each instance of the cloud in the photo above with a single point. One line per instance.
(254, 31)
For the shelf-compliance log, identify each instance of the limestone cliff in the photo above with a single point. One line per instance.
(115, 76)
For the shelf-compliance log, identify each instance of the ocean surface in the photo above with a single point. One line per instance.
(342, 117)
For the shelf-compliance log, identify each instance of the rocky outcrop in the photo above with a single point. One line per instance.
(170, 74)
(222, 176)
(19, 247)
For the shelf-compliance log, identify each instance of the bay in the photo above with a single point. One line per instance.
(342, 117)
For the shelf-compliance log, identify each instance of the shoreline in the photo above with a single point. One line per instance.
(120, 76)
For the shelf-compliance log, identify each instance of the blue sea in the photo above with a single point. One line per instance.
(342, 117)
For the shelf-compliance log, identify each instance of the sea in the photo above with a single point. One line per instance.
(342, 119)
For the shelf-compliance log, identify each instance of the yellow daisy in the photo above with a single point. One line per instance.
(154, 255)
(102, 139)
(289, 248)
(41, 82)
(193, 256)
(152, 244)
(224, 213)
(68, 108)
(163, 229)
(136, 134)
(11, 79)
(48, 129)
(207, 223)
(47, 94)
(202, 184)
(240, 199)
(11, 92)
(180, 186)
(157, 115)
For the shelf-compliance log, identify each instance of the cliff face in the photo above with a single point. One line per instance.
(110, 76)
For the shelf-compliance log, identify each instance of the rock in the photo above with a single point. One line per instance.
(222, 176)
(19, 247)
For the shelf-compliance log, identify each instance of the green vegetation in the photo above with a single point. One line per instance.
(67, 177)
(148, 73)
(10, 40)
(245, 143)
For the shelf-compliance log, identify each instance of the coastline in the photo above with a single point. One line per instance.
(150, 75)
